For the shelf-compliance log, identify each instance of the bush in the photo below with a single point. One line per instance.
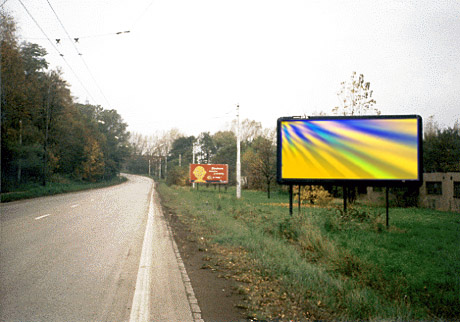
(315, 195)
(405, 196)
(177, 176)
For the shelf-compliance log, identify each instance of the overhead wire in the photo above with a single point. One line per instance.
(60, 54)
(79, 54)
(142, 14)
(136, 21)
(89, 36)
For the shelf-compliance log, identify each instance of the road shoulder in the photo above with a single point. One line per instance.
(217, 295)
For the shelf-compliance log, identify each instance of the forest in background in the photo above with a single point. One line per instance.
(45, 134)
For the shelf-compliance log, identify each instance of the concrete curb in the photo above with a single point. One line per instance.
(192, 300)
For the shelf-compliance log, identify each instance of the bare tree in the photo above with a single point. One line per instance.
(355, 97)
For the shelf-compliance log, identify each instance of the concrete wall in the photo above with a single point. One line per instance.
(445, 201)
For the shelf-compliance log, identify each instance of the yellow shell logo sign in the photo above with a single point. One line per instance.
(199, 173)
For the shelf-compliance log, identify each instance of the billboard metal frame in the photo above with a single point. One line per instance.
(349, 182)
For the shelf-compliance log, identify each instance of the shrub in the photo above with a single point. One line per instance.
(177, 176)
(315, 195)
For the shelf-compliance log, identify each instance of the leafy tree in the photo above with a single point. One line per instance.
(43, 132)
(225, 142)
(206, 148)
(12, 99)
(93, 166)
(33, 57)
(441, 150)
(260, 163)
(116, 150)
(182, 148)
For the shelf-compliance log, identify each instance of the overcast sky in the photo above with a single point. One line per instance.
(187, 64)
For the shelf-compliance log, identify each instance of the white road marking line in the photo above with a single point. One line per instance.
(40, 217)
(140, 308)
(74, 206)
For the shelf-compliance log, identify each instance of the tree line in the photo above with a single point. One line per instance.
(169, 154)
(45, 134)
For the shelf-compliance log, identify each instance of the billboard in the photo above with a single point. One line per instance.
(368, 149)
(209, 173)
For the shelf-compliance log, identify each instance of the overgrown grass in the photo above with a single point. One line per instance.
(34, 190)
(332, 265)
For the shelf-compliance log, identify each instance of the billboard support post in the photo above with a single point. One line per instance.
(387, 206)
(290, 198)
(238, 154)
(378, 150)
(299, 200)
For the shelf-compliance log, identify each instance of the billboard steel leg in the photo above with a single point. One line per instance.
(290, 199)
(387, 206)
(299, 199)
(345, 197)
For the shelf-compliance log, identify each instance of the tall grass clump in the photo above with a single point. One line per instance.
(331, 264)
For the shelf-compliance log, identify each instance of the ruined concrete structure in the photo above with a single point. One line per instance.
(440, 191)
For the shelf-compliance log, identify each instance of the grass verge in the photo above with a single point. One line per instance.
(53, 188)
(322, 264)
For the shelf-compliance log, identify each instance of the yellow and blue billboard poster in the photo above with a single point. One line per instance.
(379, 148)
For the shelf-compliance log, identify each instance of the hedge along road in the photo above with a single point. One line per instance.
(104, 255)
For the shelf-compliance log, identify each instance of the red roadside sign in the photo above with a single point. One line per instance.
(209, 173)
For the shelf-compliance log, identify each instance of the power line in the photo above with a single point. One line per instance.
(142, 14)
(88, 36)
(60, 54)
(78, 53)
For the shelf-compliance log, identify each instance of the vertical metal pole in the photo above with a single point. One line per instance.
(149, 167)
(345, 197)
(238, 154)
(290, 198)
(387, 206)
(193, 153)
(299, 199)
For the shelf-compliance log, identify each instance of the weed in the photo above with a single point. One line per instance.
(328, 263)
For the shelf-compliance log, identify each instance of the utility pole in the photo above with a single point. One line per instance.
(238, 154)
(149, 166)
(193, 153)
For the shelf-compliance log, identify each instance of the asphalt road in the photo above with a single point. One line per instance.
(76, 257)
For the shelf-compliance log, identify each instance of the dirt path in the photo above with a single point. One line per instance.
(217, 296)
